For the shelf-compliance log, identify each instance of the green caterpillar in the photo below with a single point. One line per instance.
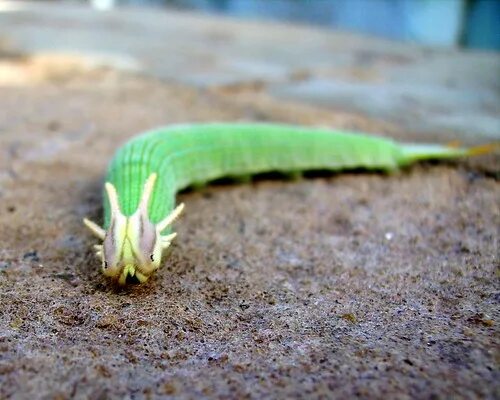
(147, 172)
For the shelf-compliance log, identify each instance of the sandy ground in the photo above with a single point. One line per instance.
(362, 285)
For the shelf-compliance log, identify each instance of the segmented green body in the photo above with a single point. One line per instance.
(183, 155)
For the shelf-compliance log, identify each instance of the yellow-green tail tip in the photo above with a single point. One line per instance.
(417, 152)
(483, 149)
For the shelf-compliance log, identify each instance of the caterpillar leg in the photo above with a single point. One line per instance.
(243, 179)
(294, 175)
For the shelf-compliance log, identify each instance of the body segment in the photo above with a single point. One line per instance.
(186, 154)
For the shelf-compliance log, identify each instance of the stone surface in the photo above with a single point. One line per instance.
(354, 285)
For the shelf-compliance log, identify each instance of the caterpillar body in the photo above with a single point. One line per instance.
(147, 172)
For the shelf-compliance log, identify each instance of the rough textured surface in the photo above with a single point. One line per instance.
(362, 285)
(357, 284)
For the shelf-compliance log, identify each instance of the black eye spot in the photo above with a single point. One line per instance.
(151, 258)
(105, 264)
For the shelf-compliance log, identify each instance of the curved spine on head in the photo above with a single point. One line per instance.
(132, 246)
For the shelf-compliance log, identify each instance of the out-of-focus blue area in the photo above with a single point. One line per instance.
(483, 25)
(469, 23)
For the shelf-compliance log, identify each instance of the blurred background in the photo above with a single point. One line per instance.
(427, 65)
(464, 23)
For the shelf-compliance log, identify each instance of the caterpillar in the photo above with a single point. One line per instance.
(146, 173)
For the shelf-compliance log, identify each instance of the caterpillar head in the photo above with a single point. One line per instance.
(132, 246)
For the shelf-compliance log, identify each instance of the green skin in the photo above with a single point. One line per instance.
(147, 172)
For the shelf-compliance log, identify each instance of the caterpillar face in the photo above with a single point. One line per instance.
(132, 246)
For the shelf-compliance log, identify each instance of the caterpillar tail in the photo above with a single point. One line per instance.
(410, 153)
